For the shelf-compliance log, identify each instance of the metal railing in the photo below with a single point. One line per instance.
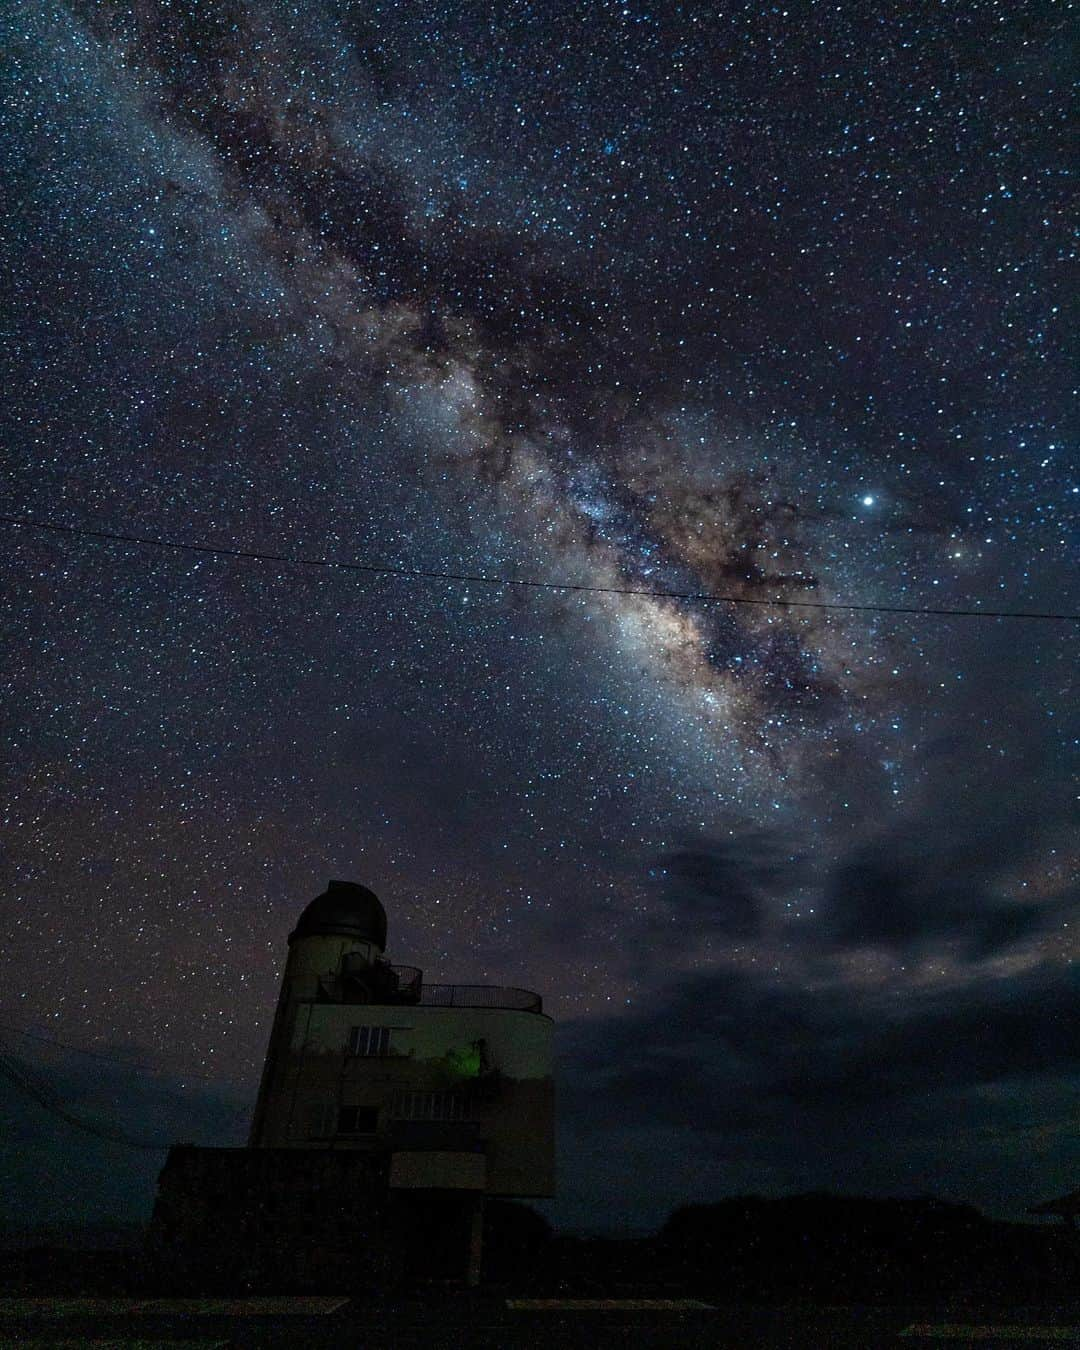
(386, 983)
(480, 996)
(362, 981)
(410, 980)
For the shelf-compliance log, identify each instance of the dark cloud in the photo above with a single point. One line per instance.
(726, 888)
(898, 897)
(937, 888)
(977, 866)
(729, 1083)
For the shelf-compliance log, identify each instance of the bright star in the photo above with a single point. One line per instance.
(868, 501)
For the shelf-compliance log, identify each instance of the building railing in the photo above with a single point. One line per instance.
(480, 996)
(363, 981)
(410, 980)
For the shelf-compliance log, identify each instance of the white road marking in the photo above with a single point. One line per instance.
(170, 1307)
(605, 1304)
(951, 1331)
(111, 1344)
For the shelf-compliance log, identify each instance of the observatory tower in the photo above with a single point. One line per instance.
(389, 1108)
(452, 1080)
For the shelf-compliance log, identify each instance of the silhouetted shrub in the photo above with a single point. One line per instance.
(827, 1248)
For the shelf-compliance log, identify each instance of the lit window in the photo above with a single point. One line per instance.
(369, 1041)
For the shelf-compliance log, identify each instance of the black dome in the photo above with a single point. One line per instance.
(344, 909)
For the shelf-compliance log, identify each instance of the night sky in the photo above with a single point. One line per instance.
(762, 302)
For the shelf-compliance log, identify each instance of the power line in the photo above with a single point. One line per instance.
(416, 573)
(118, 1059)
(15, 1071)
(35, 1086)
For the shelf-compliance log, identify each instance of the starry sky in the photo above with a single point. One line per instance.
(760, 302)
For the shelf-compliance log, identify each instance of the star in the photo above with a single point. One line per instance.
(658, 304)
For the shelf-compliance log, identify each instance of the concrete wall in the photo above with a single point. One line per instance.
(504, 1105)
(293, 1220)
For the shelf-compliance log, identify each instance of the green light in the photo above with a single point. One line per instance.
(466, 1063)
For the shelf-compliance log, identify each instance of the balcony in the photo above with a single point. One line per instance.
(410, 980)
(461, 1135)
(480, 996)
(363, 981)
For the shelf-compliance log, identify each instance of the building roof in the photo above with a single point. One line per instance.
(346, 909)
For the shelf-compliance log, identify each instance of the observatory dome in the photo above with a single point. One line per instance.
(346, 909)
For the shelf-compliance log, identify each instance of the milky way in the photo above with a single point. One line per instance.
(766, 304)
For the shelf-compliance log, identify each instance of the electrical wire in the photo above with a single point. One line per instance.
(417, 573)
(35, 1087)
(116, 1059)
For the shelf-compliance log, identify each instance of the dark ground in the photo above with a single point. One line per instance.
(804, 1271)
(463, 1320)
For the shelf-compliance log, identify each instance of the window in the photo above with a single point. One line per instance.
(430, 1106)
(358, 1119)
(369, 1041)
(321, 1118)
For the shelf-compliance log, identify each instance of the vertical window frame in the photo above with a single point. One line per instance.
(369, 1042)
